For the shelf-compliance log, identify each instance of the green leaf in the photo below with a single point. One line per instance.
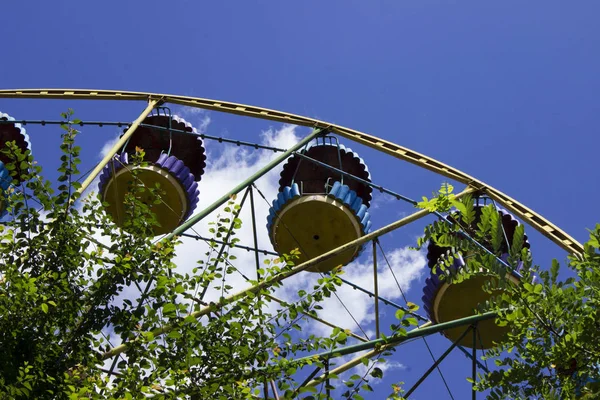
(400, 314)
(468, 214)
(169, 308)
(554, 271)
(518, 240)
(459, 206)
(377, 372)
(412, 307)
(174, 335)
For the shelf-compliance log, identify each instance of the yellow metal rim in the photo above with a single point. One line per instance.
(542, 225)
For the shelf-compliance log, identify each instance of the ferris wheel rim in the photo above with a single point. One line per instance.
(534, 219)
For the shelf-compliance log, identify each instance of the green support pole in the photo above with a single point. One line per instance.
(415, 333)
(190, 222)
(380, 349)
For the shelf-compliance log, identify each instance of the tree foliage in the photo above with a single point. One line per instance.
(551, 349)
(73, 287)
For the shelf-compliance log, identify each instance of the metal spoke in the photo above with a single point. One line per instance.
(435, 364)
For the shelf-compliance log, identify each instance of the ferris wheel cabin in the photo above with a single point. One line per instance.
(317, 208)
(10, 131)
(445, 301)
(175, 161)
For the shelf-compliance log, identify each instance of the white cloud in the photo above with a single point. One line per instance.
(381, 200)
(109, 145)
(386, 366)
(408, 266)
(197, 117)
(223, 173)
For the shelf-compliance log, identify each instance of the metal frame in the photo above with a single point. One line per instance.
(376, 289)
(120, 143)
(284, 275)
(223, 199)
(436, 363)
(375, 243)
(378, 346)
(542, 225)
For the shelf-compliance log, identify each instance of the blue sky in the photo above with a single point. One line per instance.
(505, 91)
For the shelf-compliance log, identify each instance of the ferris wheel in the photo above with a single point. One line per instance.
(322, 208)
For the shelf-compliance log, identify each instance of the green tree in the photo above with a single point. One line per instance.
(551, 349)
(64, 277)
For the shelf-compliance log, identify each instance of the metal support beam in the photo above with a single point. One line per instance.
(435, 364)
(257, 262)
(239, 246)
(306, 381)
(284, 275)
(327, 381)
(474, 364)
(470, 356)
(280, 158)
(277, 300)
(226, 239)
(26, 122)
(120, 143)
(314, 317)
(378, 346)
(384, 300)
(254, 233)
(266, 389)
(274, 389)
(376, 288)
(396, 339)
(324, 322)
